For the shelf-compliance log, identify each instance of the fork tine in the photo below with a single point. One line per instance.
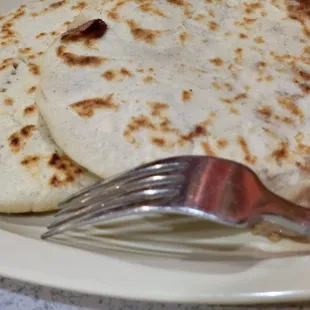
(94, 214)
(118, 213)
(131, 175)
(108, 193)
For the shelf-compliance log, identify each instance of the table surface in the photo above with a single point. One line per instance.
(17, 295)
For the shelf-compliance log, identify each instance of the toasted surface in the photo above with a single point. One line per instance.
(225, 78)
(35, 174)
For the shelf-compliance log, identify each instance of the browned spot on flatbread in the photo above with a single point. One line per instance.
(8, 101)
(31, 90)
(148, 36)
(148, 79)
(41, 35)
(116, 74)
(34, 69)
(30, 161)
(242, 35)
(160, 142)
(251, 8)
(235, 99)
(289, 103)
(109, 75)
(29, 110)
(79, 6)
(187, 95)
(302, 79)
(6, 63)
(25, 50)
(57, 4)
(221, 143)
(303, 149)
(86, 107)
(281, 152)
(93, 29)
(135, 124)
(207, 149)
(18, 139)
(177, 2)
(248, 157)
(67, 172)
(267, 113)
(213, 26)
(217, 61)
(183, 37)
(157, 107)
(198, 131)
(74, 60)
(148, 7)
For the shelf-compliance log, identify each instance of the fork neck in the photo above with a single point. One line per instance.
(285, 215)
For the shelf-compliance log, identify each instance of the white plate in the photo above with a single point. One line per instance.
(197, 263)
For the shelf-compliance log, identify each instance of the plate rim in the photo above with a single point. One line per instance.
(42, 274)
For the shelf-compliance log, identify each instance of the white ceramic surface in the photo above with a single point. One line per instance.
(193, 262)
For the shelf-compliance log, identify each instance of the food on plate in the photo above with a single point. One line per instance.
(35, 173)
(166, 77)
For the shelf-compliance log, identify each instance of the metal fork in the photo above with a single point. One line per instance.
(209, 188)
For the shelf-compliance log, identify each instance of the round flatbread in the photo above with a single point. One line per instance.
(166, 77)
(35, 174)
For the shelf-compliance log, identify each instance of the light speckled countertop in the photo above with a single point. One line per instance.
(17, 295)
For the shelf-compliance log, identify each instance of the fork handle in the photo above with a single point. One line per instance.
(287, 216)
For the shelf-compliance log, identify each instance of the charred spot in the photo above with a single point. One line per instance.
(235, 99)
(289, 103)
(187, 95)
(57, 5)
(54, 182)
(85, 108)
(18, 139)
(159, 141)
(26, 131)
(281, 152)
(125, 72)
(8, 101)
(29, 110)
(79, 6)
(66, 170)
(157, 107)
(54, 159)
(34, 69)
(177, 2)
(213, 26)
(30, 160)
(198, 131)
(248, 157)
(221, 143)
(25, 50)
(41, 35)
(265, 111)
(217, 61)
(93, 29)
(15, 143)
(109, 75)
(148, 36)
(31, 90)
(74, 60)
(183, 37)
(207, 149)
(148, 79)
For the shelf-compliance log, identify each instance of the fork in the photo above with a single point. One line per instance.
(209, 188)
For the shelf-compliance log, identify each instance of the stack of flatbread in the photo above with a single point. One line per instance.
(132, 81)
